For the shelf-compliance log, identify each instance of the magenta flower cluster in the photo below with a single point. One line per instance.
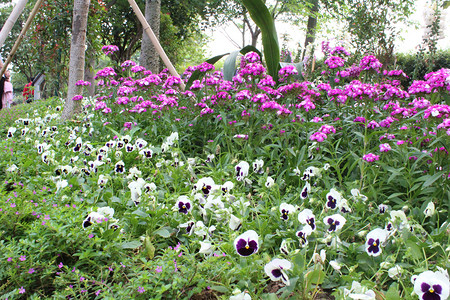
(109, 49)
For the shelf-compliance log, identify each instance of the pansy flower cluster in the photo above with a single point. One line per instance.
(296, 187)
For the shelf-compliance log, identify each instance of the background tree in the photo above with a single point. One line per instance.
(234, 12)
(149, 58)
(43, 49)
(77, 58)
(371, 23)
(180, 23)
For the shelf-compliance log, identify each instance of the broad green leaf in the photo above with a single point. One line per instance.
(263, 19)
(149, 248)
(164, 232)
(431, 179)
(414, 250)
(229, 67)
(131, 245)
(315, 277)
(392, 293)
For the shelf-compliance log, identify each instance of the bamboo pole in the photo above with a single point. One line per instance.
(6, 29)
(22, 35)
(154, 40)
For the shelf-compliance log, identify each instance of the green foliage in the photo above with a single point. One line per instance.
(418, 65)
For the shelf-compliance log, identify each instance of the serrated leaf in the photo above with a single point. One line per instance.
(392, 293)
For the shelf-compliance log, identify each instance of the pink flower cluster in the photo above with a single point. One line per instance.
(110, 49)
(339, 51)
(318, 136)
(82, 83)
(370, 62)
(287, 72)
(106, 72)
(370, 157)
(385, 147)
(334, 62)
(437, 111)
(77, 98)
(395, 73)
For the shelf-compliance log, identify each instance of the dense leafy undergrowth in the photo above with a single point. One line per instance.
(231, 190)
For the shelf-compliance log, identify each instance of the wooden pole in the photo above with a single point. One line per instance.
(155, 41)
(6, 29)
(22, 35)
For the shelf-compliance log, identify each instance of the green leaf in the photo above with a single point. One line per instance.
(414, 250)
(131, 245)
(164, 232)
(263, 19)
(220, 289)
(140, 213)
(229, 66)
(113, 131)
(149, 248)
(315, 277)
(392, 293)
(431, 179)
(271, 296)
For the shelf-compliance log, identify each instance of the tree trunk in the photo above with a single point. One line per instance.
(149, 58)
(255, 35)
(77, 59)
(312, 25)
(6, 29)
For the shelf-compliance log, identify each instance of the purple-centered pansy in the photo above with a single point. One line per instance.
(305, 191)
(276, 270)
(102, 214)
(303, 235)
(258, 166)
(382, 208)
(241, 170)
(206, 185)
(333, 199)
(306, 217)
(183, 205)
(431, 285)
(334, 222)
(374, 241)
(227, 187)
(285, 210)
(146, 153)
(247, 243)
(119, 167)
(310, 172)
